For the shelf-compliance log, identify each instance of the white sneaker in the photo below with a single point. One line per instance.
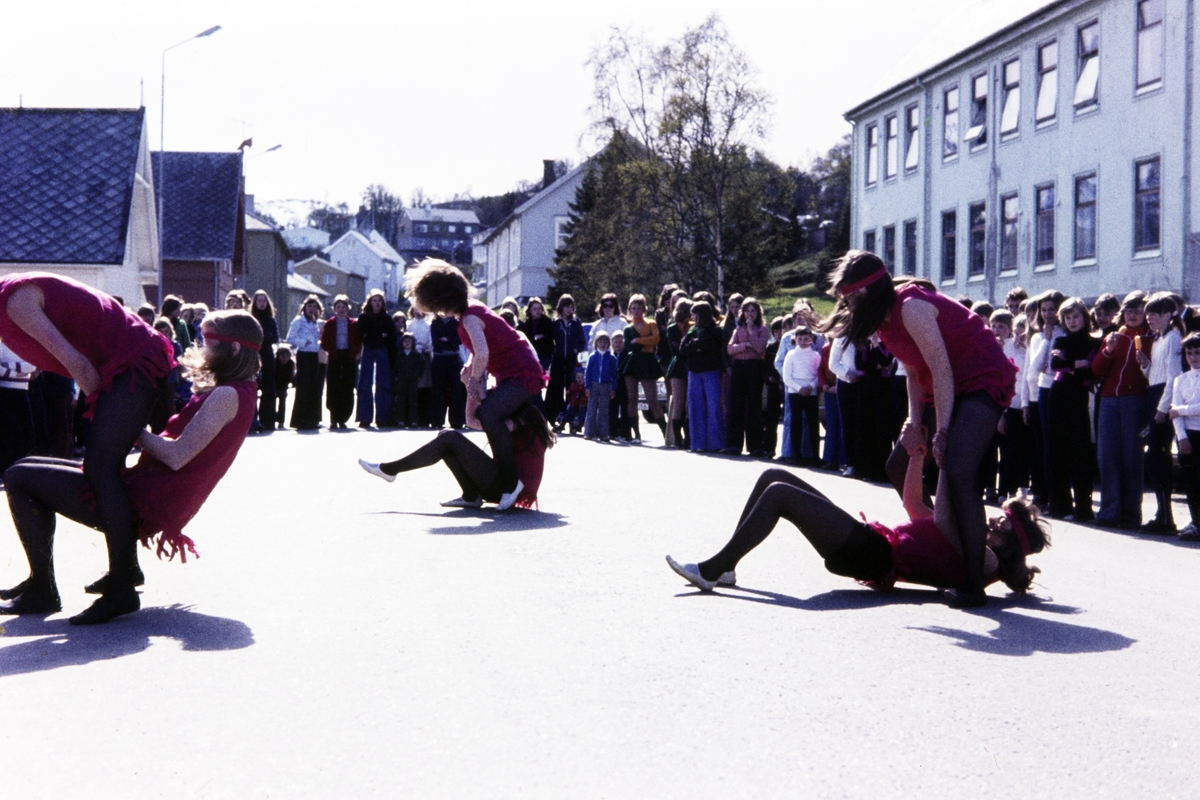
(691, 573)
(462, 502)
(1190, 533)
(375, 470)
(509, 498)
(727, 579)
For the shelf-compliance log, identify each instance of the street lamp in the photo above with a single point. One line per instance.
(162, 158)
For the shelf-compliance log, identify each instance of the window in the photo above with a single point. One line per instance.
(949, 244)
(1150, 44)
(978, 252)
(1045, 225)
(329, 280)
(1085, 217)
(468, 228)
(1087, 85)
(912, 122)
(872, 154)
(451, 229)
(893, 146)
(950, 125)
(1146, 216)
(1010, 114)
(306, 276)
(889, 248)
(910, 247)
(869, 241)
(1047, 99)
(561, 236)
(1009, 209)
(977, 133)
(420, 227)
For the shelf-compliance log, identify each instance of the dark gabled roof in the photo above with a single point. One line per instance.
(200, 215)
(66, 183)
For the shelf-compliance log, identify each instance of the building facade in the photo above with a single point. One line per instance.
(1054, 153)
(333, 279)
(355, 254)
(444, 233)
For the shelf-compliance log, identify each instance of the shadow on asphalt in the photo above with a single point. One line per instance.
(836, 600)
(490, 521)
(66, 645)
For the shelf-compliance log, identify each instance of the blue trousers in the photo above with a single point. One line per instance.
(1122, 462)
(373, 368)
(705, 425)
(835, 451)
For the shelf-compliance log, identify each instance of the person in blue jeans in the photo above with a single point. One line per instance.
(702, 350)
(601, 381)
(378, 334)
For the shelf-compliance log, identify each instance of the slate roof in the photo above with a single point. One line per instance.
(298, 238)
(66, 183)
(421, 214)
(200, 217)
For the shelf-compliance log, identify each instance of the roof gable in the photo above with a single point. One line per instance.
(200, 196)
(421, 214)
(357, 237)
(66, 183)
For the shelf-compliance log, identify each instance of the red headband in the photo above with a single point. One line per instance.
(217, 337)
(850, 288)
(1019, 530)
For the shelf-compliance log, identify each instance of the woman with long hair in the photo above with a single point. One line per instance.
(641, 367)
(477, 473)
(1070, 429)
(539, 330)
(342, 345)
(747, 348)
(949, 354)
(378, 335)
(170, 482)
(263, 310)
(304, 335)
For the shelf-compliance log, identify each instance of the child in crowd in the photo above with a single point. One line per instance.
(1185, 414)
(1070, 430)
(1014, 434)
(406, 376)
(576, 410)
(1162, 366)
(676, 371)
(1121, 413)
(285, 375)
(773, 411)
(601, 381)
(1040, 376)
(618, 410)
(800, 375)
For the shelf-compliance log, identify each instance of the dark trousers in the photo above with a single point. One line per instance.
(52, 402)
(560, 374)
(847, 399)
(266, 386)
(447, 392)
(1015, 450)
(1070, 451)
(1191, 475)
(16, 426)
(281, 407)
(405, 409)
(1158, 453)
(339, 392)
(804, 417)
(494, 412)
(772, 414)
(745, 405)
(306, 412)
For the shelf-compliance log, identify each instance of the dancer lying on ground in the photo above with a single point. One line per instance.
(496, 348)
(922, 550)
(167, 486)
(477, 473)
(120, 364)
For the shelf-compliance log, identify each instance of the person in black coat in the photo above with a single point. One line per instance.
(378, 334)
(447, 391)
(263, 310)
(1070, 430)
(569, 342)
(407, 369)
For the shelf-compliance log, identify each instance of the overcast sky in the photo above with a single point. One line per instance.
(463, 97)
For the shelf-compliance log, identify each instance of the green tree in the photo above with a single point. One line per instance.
(334, 220)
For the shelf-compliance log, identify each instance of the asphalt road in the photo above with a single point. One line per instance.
(344, 637)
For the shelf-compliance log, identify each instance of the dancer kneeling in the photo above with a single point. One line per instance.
(924, 549)
(477, 473)
(170, 482)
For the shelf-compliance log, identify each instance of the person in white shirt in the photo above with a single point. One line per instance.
(1014, 441)
(1185, 415)
(800, 375)
(1045, 329)
(1161, 368)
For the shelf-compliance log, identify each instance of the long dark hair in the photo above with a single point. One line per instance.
(871, 309)
(532, 417)
(1013, 570)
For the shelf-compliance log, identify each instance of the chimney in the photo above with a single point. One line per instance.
(548, 175)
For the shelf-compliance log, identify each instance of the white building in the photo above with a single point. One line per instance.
(1055, 152)
(358, 255)
(520, 250)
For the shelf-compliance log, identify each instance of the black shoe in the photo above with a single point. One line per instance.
(15, 592)
(731, 451)
(100, 586)
(1108, 524)
(1157, 525)
(33, 602)
(110, 605)
(966, 598)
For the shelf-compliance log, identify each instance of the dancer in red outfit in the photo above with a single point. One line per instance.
(120, 365)
(172, 479)
(925, 549)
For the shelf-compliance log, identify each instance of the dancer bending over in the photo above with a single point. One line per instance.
(496, 348)
(168, 485)
(922, 550)
(477, 473)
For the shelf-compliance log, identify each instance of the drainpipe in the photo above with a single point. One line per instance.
(991, 258)
(925, 130)
(1188, 246)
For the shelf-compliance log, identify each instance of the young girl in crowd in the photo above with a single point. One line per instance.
(496, 349)
(747, 348)
(801, 376)
(407, 370)
(842, 357)
(610, 320)
(1185, 415)
(342, 344)
(1014, 434)
(1040, 375)
(1070, 430)
(569, 342)
(702, 350)
(539, 330)
(641, 368)
(1162, 367)
(304, 335)
(1122, 413)
(378, 335)
(170, 482)
(923, 550)
(601, 382)
(834, 456)
(478, 474)
(677, 372)
(120, 365)
(285, 375)
(573, 418)
(263, 310)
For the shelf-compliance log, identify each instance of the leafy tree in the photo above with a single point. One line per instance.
(334, 220)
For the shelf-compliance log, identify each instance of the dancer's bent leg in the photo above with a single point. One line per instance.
(971, 428)
(474, 469)
(494, 412)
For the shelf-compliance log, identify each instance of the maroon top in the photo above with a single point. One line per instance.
(167, 500)
(976, 357)
(109, 336)
(922, 554)
(510, 355)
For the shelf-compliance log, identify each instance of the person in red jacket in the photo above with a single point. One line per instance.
(342, 343)
(1122, 416)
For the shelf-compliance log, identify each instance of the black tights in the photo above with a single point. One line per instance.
(781, 495)
(39, 488)
(500, 405)
(475, 471)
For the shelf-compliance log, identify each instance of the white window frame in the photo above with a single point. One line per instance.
(561, 237)
(891, 126)
(1153, 32)
(1041, 214)
(949, 275)
(1138, 194)
(971, 230)
(1010, 114)
(872, 154)
(1084, 258)
(1047, 93)
(976, 135)
(909, 266)
(1009, 232)
(950, 124)
(912, 145)
(1087, 70)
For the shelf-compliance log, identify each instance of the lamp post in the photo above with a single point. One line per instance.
(162, 150)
